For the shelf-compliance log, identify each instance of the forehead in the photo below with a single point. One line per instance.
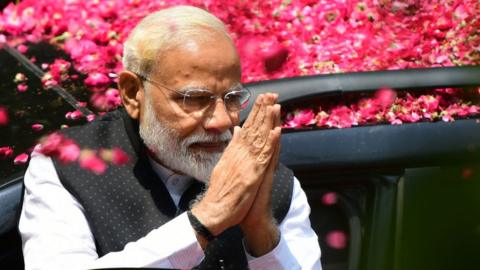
(202, 61)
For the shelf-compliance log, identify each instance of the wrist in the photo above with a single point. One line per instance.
(208, 220)
(261, 238)
(199, 227)
(263, 221)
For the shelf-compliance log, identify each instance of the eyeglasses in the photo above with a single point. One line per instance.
(197, 99)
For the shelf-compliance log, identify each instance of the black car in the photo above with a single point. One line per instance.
(406, 196)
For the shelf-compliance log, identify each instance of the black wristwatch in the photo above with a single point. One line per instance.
(199, 227)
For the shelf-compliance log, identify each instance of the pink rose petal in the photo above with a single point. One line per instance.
(97, 79)
(3, 116)
(50, 144)
(22, 87)
(22, 48)
(119, 157)
(385, 97)
(6, 152)
(21, 159)
(336, 239)
(329, 198)
(68, 152)
(37, 127)
(90, 161)
(91, 117)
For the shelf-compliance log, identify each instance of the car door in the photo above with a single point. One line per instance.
(405, 196)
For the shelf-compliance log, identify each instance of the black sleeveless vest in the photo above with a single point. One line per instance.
(127, 202)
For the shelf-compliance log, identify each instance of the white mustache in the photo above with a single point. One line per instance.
(201, 136)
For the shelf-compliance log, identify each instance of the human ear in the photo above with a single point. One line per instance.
(131, 93)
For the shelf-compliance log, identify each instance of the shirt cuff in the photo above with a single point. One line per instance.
(278, 258)
(191, 253)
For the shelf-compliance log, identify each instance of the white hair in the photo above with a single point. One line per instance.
(164, 30)
(174, 152)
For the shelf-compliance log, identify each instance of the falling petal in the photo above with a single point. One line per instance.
(336, 239)
(37, 127)
(329, 198)
(21, 159)
(68, 152)
(3, 116)
(119, 157)
(91, 117)
(6, 152)
(22, 48)
(90, 161)
(22, 87)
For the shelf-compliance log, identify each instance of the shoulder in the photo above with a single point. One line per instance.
(99, 131)
(106, 118)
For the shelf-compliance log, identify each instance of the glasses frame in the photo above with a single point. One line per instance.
(213, 96)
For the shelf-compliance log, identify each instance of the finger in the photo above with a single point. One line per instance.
(266, 186)
(234, 142)
(263, 159)
(256, 117)
(270, 98)
(276, 155)
(260, 132)
(275, 98)
(277, 118)
(252, 128)
(253, 113)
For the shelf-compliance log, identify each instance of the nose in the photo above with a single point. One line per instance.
(217, 118)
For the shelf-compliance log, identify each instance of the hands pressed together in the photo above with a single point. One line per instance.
(239, 192)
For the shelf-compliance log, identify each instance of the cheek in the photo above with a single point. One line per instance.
(177, 120)
(186, 126)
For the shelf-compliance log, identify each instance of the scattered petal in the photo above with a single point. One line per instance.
(91, 117)
(37, 127)
(336, 239)
(6, 152)
(90, 161)
(21, 159)
(119, 157)
(3, 116)
(385, 97)
(22, 87)
(68, 152)
(75, 115)
(97, 79)
(22, 48)
(329, 198)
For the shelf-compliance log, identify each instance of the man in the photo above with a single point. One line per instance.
(182, 95)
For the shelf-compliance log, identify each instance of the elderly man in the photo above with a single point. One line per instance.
(200, 192)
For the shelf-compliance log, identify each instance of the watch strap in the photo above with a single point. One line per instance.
(199, 227)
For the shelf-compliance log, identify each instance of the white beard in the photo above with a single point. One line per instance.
(175, 153)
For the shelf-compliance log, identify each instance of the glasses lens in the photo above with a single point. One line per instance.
(237, 100)
(195, 100)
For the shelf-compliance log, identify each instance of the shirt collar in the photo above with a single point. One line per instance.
(175, 183)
